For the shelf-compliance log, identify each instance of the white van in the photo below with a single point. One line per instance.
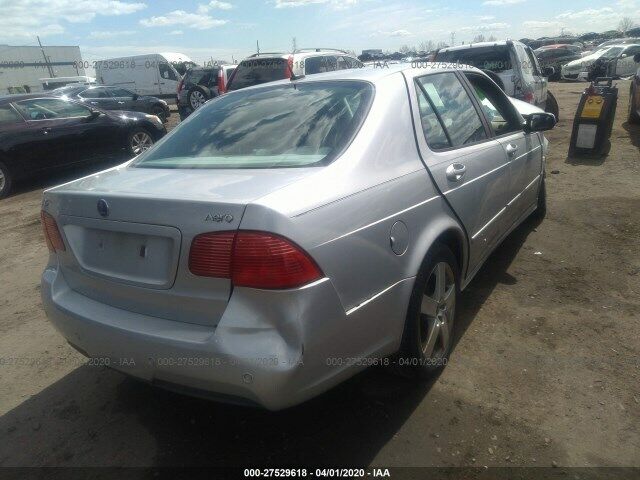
(154, 74)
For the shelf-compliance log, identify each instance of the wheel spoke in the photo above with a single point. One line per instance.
(450, 297)
(445, 330)
(441, 279)
(429, 306)
(431, 340)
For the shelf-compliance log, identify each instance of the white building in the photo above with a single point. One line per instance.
(23, 67)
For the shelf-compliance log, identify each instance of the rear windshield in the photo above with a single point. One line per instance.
(198, 77)
(495, 58)
(258, 71)
(295, 125)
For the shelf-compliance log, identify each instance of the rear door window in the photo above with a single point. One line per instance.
(258, 71)
(321, 64)
(95, 93)
(495, 58)
(452, 105)
(8, 115)
(292, 125)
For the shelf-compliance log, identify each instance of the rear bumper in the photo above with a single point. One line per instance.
(274, 349)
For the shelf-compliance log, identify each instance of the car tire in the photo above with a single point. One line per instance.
(551, 105)
(429, 325)
(139, 140)
(6, 180)
(633, 116)
(541, 208)
(159, 112)
(197, 97)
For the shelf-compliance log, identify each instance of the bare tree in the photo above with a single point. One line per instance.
(625, 25)
(492, 38)
(478, 38)
(425, 46)
(442, 45)
(404, 49)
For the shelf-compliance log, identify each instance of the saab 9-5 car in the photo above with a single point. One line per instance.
(288, 235)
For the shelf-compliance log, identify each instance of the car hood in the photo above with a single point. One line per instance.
(585, 61)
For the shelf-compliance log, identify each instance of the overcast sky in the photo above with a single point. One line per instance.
(221, 29)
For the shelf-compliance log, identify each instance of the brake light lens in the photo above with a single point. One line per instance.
(252, 259)
(51, 233)
(180, 85)
(529, 97)
(289, 69)
(220, 81)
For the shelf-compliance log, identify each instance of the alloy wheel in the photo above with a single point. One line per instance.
(437, 312)
(197, 99)
(141, 142)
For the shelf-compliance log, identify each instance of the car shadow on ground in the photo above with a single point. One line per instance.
(95, 416)
(634, 133)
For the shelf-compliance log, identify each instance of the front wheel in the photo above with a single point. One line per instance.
(5, 180)
(551, 106)
(428, 335)
(541, 208)
(140, 140)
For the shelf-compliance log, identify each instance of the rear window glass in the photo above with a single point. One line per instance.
(198, 77)
(294, 125)
(494, 58)
(258, 71)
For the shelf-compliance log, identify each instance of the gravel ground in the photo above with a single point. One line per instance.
(545, 369)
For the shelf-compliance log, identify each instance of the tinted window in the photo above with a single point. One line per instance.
(95, 93)
(454, 107)
(496, 106)
(167, 72)
(120, 92)
(199, 77)
(494, 58)
(320, 64)
(257, 71)
(8, 115)
(48, 108)
(284, 126)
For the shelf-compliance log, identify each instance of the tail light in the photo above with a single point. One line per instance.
(180, 86)
(51, 233)
(252, 259)
(220, 81)
(288, 72)
(529, 97)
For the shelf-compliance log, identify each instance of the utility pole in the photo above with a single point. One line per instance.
(453, 39)
(294, 44)
(46, 61)
(257, 46)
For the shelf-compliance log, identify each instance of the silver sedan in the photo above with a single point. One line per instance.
(286, 236)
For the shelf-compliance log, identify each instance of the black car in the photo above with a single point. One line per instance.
(115, 98)
(199, 85)
(555, 56)
(39, 132)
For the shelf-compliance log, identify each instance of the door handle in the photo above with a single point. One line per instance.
(511, 149)
(455, 172)
(46, 131)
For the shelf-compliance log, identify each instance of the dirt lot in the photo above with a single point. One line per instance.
(546, 369)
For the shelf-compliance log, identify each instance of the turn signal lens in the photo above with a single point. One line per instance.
(252, 259)
(51, 233)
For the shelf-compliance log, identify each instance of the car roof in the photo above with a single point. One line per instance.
(374, 75)
(499, 43)
(23, 96)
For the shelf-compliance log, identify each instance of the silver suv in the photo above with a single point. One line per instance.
(268, 67)
(512, 65)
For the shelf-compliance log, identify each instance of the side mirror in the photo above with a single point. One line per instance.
(93, 115)
(636, 58)
(539, 122)
(135, 97)
(548, 71)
